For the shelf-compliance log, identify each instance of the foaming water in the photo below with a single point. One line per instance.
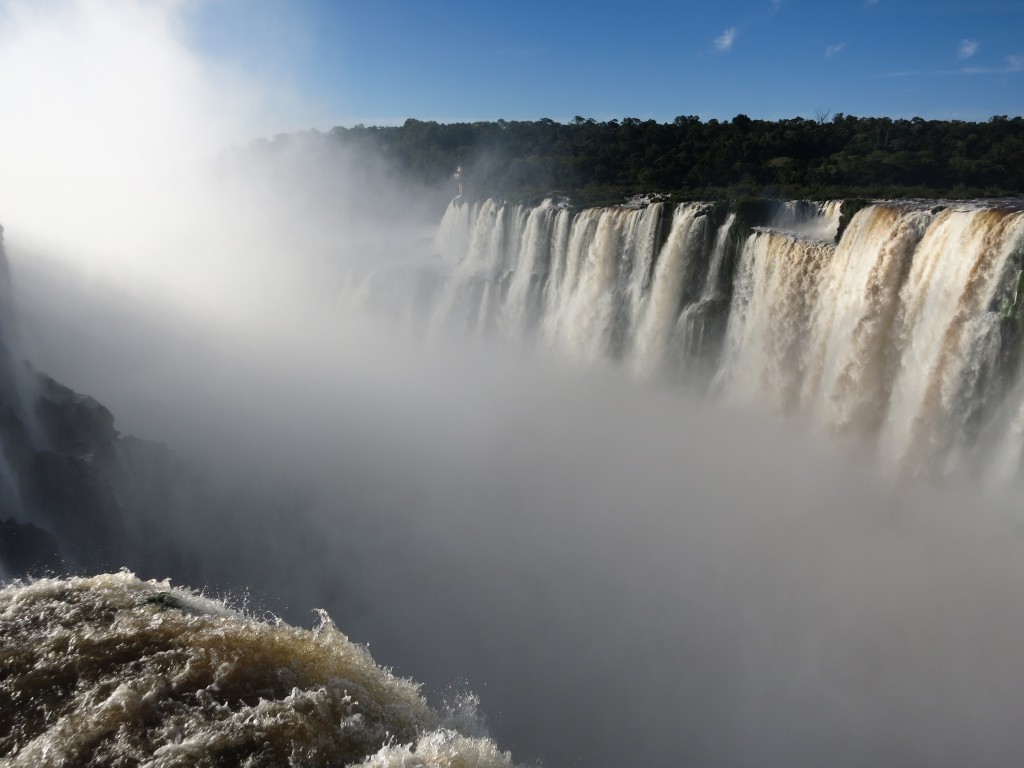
(675, 268)
(849, 355)
(945, 322)
(777, 289)
(819, 221)
(599, 556)
(902, 334)
(623, 573)
(112, 670)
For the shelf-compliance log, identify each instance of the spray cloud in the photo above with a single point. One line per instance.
(684, 584)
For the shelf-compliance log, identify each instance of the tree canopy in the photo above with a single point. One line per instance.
(592, 161)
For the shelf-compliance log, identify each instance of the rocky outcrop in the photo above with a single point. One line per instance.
(59, 501)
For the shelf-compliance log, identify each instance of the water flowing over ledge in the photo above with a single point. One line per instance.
(906, 333)
(111, 670)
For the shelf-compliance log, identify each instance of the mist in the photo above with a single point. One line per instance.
(622, 572)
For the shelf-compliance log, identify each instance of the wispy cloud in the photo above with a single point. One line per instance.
(724, 41)
(967, 49)
(1013, 63)
(832, 50)
(776, 4)
(869, 3)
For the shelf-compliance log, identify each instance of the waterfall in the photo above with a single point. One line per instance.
(766, 355)
(849, 354)
(472, 241)
(520, 307)
(905, 334)
(563, 285)
(673, 274)
(944, 325)
(701, 325)
(587, 319)
(19, 428)
(640, 263)
(800, 217)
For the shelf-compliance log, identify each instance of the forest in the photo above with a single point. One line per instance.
(595, 162)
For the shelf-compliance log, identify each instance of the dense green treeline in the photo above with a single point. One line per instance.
(688, 158)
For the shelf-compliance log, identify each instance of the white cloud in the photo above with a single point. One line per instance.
(832, 50)
(1014, 63)
(967, 49)
(725, 40)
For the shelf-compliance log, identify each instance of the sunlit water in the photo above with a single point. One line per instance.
(623, 571)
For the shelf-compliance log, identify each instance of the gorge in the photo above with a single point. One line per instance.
(533, 455)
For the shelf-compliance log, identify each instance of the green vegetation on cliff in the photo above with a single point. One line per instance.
(597, 162)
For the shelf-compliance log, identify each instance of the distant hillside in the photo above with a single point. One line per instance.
(841, 156)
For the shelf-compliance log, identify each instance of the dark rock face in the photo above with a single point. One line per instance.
(95, 500)
(72, 496)
(77, 497)
(67, 485)
(60, 504)
(74, 424)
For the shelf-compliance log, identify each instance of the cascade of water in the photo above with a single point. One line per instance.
(452, 238)
(560, 295)
(559, 256)
(891, 335)
(483, 232)
(640, 268)
(675, 268)
(702, 322)
(588, 321)
(832, 210)
(849, 351)
(942, 331)
(770, 318)
(817, 220)
(511, 250)
(715, 281)
(530, 257)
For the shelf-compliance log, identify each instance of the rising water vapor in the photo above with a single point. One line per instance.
(623, 572)
(148, 243)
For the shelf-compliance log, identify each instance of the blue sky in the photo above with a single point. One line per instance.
(381, 61)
